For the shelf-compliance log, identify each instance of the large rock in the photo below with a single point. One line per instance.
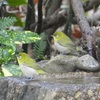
(87, 63)
(70, 86)
(59, 64)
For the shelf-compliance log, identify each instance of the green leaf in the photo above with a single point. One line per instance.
(6, 72)
(39, 47)
(17, 37)
(6, 53)
(16, 2)
(18, 21)
(12, 69)
(6, 22)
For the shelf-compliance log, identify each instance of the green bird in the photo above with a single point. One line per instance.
(63, 43)
(28, 65)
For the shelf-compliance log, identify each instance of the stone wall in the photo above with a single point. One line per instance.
(70, 86)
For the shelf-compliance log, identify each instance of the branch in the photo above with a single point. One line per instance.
(39, 23)
(90, 4)
(53, 5)
(51, 21)
(54, 19)
(30, 17)
(87, 32)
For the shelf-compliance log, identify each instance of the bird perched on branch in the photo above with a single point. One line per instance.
(63, 43)
(28, 65)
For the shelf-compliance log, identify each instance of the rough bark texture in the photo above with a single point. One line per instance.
(55, 5)
(54, 20)
(39, 23)
(91, 4)
(71, 86)
(30, 18)
(87, 32)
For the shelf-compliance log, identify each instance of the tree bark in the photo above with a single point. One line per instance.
(87, 33)
(54, 20)
(39, 23)
(89, 4)
(30, 18)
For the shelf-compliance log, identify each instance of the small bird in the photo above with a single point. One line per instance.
(63, 43)
(28, 65)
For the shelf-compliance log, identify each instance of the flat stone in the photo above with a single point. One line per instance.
(69, 86)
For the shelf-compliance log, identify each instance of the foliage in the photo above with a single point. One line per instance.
(17, 37)
(6, 52)
(11, 70)
(16, 2)
(6, 22)
(39, 47)
(18, 19)
(9, 39)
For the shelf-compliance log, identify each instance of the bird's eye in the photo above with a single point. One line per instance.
(20, 57)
